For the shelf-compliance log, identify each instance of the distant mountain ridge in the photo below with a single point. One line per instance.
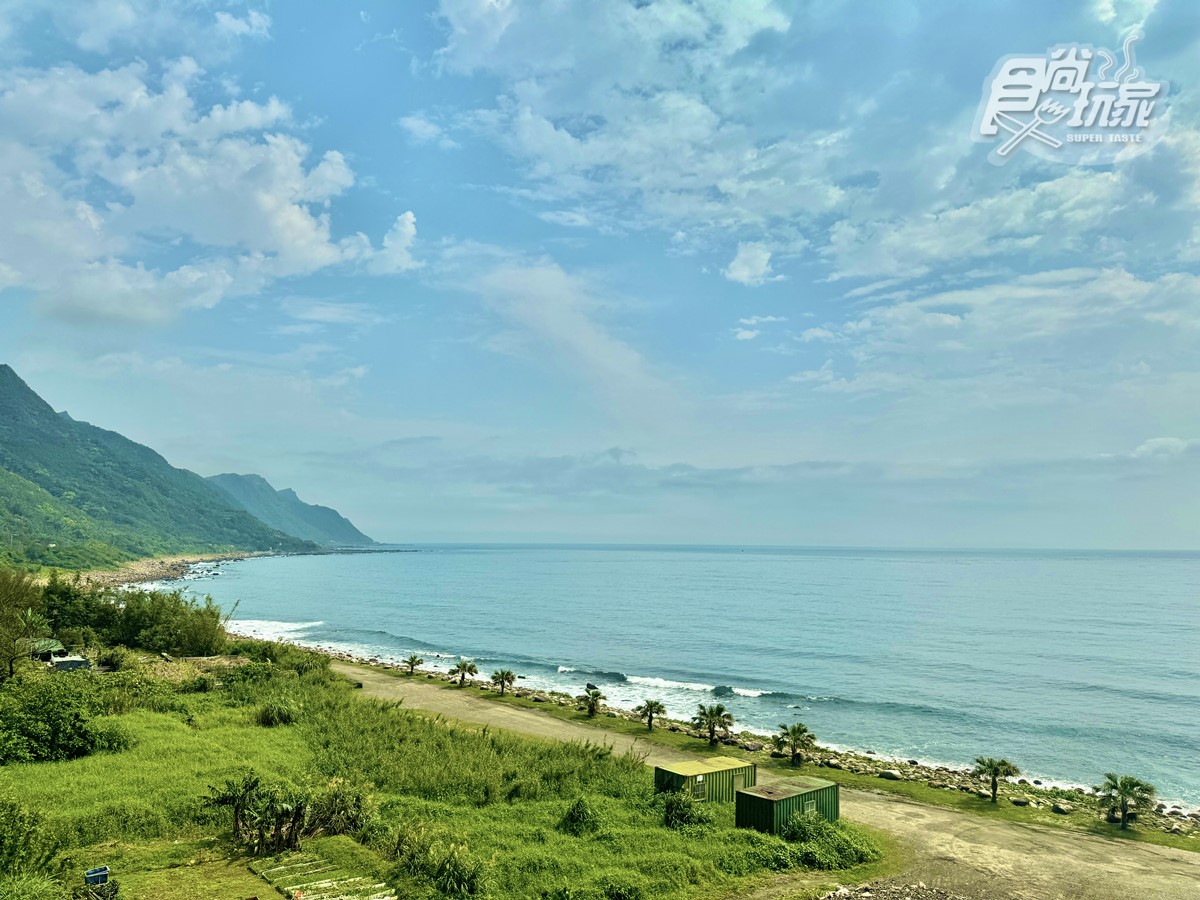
(286, 512)
(77, 496)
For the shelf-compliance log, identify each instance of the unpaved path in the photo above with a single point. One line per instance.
(951, 849)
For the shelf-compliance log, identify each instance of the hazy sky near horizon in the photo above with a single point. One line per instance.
(614, 271)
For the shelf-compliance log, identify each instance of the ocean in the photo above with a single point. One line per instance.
(1070, 664)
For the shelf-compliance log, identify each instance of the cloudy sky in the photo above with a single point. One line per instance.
(510, 270)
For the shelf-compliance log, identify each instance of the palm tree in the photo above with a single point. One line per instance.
(412, 662)
(994, 769)
(503, 677)
(649, 710)
(1123, 791)
(462, 669)
(796, 739)
(710, 718)
(591, 698)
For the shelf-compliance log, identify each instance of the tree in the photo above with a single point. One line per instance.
(21, 619)
(649, 710)
(591, 699)
(504, 678)
(462, 669)
(1121, 792)
(412, 662)
(712, 718)
(995, 769)
(796, 739)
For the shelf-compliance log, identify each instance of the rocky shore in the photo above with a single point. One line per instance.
(1078, 803)
(161, 568)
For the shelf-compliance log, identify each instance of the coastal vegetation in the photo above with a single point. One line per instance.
(429, 808)
(994, 770)
(464, 669)
(712, 719)
(796, 739)
(503, 678)
(648, 709)
(1124, 794)
(412, 662)
(591, 700)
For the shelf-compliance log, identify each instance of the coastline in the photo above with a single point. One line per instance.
(1037, 792)
(160, 568)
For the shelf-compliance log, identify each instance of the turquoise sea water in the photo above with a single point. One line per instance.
(1069, 664)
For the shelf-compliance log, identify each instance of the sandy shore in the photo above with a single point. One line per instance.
(159, 568)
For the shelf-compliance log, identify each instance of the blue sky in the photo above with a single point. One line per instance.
(619, 271)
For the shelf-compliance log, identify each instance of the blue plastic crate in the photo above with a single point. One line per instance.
(96, 876)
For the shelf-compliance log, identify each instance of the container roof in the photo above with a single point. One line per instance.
(706, 766)
(784, 789)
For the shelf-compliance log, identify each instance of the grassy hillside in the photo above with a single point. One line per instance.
(99, 498)
(284, 511)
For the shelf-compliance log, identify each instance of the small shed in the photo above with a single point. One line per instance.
(717, 778)
(768, 808)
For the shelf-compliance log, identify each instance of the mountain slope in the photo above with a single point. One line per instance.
(286, 512)
(101, 497)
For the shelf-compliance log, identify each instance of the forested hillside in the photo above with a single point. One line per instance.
(74, 495)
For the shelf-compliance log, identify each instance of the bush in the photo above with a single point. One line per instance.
(621, 887)
(458, 873)
(108, 735)
(118, 659)
(26, 847)
(341, 808)
(581, 817)
(680, 810)
(826, 845)
(278, 711)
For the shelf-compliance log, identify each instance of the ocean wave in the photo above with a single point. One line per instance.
(271, 630)
(667, 684)
(563, 669)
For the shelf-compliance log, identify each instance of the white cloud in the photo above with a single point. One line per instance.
(1164, 448)
(746, 334)
(816, 334)
(751, 265)
(103, 177)
(422, 130)
(255, 24)
(395, 255)
(559, 311)
(761, 320)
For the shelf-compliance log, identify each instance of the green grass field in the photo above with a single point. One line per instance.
(1083, 820)
(490, 801)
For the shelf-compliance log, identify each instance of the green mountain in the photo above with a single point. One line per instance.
(74, 495)
(284, 511)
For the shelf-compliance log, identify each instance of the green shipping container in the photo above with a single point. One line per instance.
(769, 807)
(718, 778)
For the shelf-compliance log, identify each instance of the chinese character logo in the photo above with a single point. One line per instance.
(1070, 106)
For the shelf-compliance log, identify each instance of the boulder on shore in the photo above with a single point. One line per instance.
(892, 775)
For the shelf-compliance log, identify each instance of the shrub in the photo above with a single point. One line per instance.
(458, 873)
(620, 887)
(581, 817)
(26, 847)
(118, 659)
(108, 735)
(680, 810)
(278, 711)
(342, 808)
(827, 845)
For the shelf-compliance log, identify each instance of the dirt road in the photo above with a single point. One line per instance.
(951, 849)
